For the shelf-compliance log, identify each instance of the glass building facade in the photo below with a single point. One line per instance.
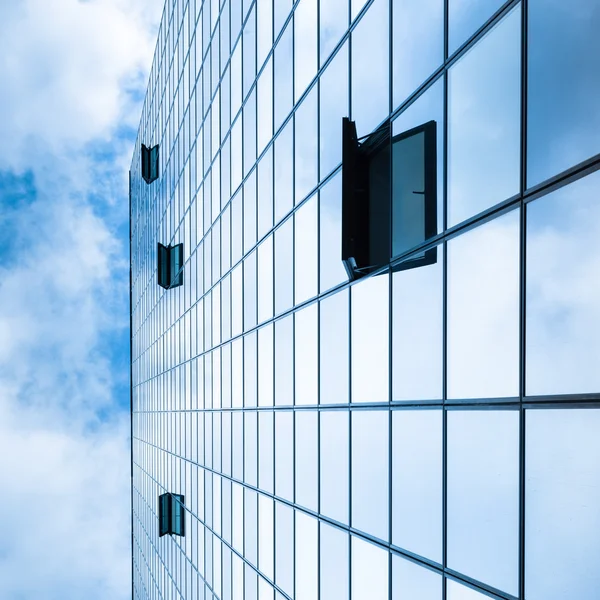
(428, 431)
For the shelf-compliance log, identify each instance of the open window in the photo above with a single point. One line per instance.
(171, 514)
(389, 197)
(170, 266)
(149, 163)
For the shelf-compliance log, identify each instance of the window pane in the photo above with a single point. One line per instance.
(284, 361)
(333, 22)
(284, 172)
(563, 312)
(333, 338)
(284, 454)
(305, 148)
(333, 106)
(332, 270)
(370, 68)
(265, 366)
(284, 272)
(412, 582)
(283, 70)
(334, 462)
(265, 106)
(483, 496)
(334, 559)
(284, 548)
(465, 17)
(306, 557)
(265, 451)
(370, 340)
(369, 571)
(456, 591)
(417, 482)
(484, 110)
(306, 252)
(562, 508)
(306, 355)
(565, 130)
(265, 280)
(418, 43)
(370, 453)
(250, 294)
(483, 311)
(265, 193)
(306, 459)
(417, 332)
(305, 41)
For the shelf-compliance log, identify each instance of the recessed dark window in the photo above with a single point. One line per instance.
(389, 196)
(149, 163)
(170, 266)
(171, 514)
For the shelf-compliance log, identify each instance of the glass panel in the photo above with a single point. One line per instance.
(417, 332)
(333, 22)
(266, 521)
(306, 557)
(370, 472)
(251, 526)
(369, 571)
(417, 482)
(306, 356)
(484, 107)
(265, 193)
(483, 496)
(412, 582)
(370, 68)
(249, 48)
(305, 139)
(284, 172)
(283, 71)
(284, 454)
(236, 301)
(370, 340)
(483, 310)
(456, 591)
(418, 44)
(265, 366)
(334, 559)
(284, 272)
(284, 362)
(334, 474)
(250, 291)
(566, 130)
(265, 106)
(250, 132)
(305, 41)
(332, 270)
(250, 448)
(284, 548)
(265, 451)
(265, 280)
(333, 105)
(236, 228)
(264, 16)
(306, 459)
(465, 17)
(563, 313)
(306, 254)
(333, 338)
(250, 212)
(562, 504)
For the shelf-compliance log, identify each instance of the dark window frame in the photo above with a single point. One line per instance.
(150, 163)
(169, 265)
(171, 514)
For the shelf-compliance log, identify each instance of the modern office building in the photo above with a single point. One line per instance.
(366, 352)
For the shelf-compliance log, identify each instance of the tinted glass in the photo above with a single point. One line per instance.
(417, 482)
(369, 571)
(334, 465)
(483, 496)
(412, 582)
(562, 504)
(306, 251)
(306, 459)
(306, 355)
(483, 310)
(565, 130)
(306, 557)
(484, 122)
(334, 563)
(563, 313)
(370, 476)
(465, 17)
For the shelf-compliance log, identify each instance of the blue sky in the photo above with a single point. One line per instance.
(74, 74)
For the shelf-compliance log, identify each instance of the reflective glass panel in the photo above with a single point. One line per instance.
(284, 273)
(370, 340)
(334, 562)
(305, 42)
(417, 331)
(483, 496)
(484, 108)
(306, 355)
(334, 465)
(465, 17)
(563, 312)
(284, 361)
(333, 22)
(284, 454)
(562, 504)
(417, 482)
(370, 474)
(369, 570)
(306, 250)
(483, 310)
(563, 118)
(306, 557)
(413, 582)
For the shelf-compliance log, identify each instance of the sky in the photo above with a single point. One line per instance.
(74, 74)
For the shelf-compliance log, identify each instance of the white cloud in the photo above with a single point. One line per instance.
(77, 71)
